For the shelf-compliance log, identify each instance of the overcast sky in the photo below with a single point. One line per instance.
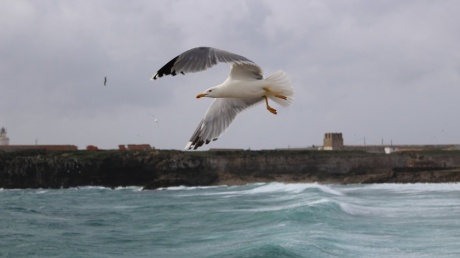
(373, 70)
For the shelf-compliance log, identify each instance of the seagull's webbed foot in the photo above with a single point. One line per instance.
(272, 110)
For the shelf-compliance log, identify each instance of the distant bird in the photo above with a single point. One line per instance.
(244, 87)
(154, 118)
(105, 80)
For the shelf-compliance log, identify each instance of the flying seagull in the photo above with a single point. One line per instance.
(105, 80)
(244, 87)
(154, 118)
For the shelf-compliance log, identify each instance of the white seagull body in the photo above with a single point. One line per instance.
(244, 87)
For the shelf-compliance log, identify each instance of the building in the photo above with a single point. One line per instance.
(333, 141)
(3, 139)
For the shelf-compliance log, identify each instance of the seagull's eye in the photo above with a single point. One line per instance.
(209, 90)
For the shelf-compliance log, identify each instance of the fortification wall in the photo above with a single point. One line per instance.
(39, 147)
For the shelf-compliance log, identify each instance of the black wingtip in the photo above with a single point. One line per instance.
(196, 142)
(167, 69)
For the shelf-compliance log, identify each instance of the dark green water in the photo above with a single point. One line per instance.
(256, 220)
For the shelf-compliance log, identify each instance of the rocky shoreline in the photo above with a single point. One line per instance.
(163, 168)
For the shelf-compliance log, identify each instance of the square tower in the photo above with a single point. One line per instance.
(333, 141)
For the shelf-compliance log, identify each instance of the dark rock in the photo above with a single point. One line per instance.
(155, 169)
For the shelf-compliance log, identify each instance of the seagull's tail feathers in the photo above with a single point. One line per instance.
(280, 85)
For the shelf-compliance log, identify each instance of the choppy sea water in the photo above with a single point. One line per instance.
(255, 220)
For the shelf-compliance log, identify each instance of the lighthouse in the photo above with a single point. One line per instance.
(3, 139)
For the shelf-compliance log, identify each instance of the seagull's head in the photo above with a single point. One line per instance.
(210, 93)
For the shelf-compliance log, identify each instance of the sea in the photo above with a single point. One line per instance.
(253, 220)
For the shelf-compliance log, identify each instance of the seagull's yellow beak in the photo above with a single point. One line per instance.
(201, 95)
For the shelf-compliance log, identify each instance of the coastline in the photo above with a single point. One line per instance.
(163, 168)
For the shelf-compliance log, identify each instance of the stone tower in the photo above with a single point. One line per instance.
(333, 141)
(3, 139)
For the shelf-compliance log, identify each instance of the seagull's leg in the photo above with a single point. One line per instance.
(272, 110)
(274, 94)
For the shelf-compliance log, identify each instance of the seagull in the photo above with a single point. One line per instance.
(244, 87)
(105, 80)
(154, 118)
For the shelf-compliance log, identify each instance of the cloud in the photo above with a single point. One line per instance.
(376, 70)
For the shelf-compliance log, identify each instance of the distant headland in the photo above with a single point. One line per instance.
(163, 168)
(64, 166)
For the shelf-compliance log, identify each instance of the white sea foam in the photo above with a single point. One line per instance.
(294, 188)
(354, 209)
(90, 187)
(41, 191)
(182, 187)
(289, 206)
(257, 188)
(328, 189)
(414, 188)
(133, 188)
(278, 187)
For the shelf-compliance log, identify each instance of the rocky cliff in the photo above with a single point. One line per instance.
(161, 168)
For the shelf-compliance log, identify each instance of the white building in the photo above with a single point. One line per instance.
(3, 139)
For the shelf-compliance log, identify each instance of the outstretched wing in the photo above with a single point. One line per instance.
(202, 58)
(218, 117)
(245, 72)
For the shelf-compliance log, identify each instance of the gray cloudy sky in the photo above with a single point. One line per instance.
(370, 69)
